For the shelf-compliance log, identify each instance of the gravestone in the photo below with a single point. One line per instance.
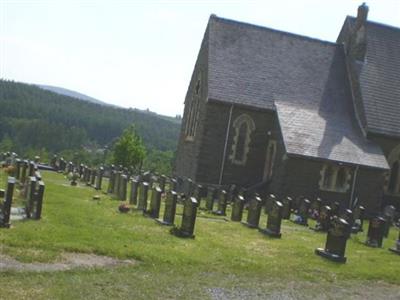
(117, 183)
(53, 162)
(336, 240)
(237, 208)
(335, 207)
(36, 212)
(188, 188)
(74, 179)
(23, 171)
(143, 194)
(186, 230)
(212, 195)
(70, 167)
(170, 209)
(5, 205)
(347, 215)
(199, 194)
(324, 219)
(17, 169)
(123, 187)
(396, 248)
(134, 192)
(254, 212)
(269, 202)
(30, 194)
(232, 193)
(274, 220)
(359, 213)
(388, 213)
(93, 177)
(375, 233)
(287, 207)
(88, 176)
(222, 203)
(173, 185)
(111, 182)
(161, 182)
(316, 208)
(81, 169)
(99, 178)
(31, 170)
(155, 203)
(302, 212)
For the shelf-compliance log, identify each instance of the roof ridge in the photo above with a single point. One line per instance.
(295, 35)
(377, 23)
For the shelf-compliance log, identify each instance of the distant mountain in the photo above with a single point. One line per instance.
(35, 118)
(70, 93)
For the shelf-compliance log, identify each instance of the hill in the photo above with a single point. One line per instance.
(31, 117)
(70, 93)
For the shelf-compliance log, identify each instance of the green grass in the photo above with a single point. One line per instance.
(223, 255)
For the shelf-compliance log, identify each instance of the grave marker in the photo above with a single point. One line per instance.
(5, 206)
(170, 209)
(274, 220)
(134, 192)
(186, 230)
(376, 230)
(237, 208)
(254, 212)
(336, 240)
(142, 203)
(287, 207)
(222, 203)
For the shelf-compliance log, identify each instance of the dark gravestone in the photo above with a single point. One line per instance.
(36, 212)
(287, 208)
(161, 182)
(237, 208)
(88, 176)
(316, 208)
(111, 182)
(186, 230)
(170, 209)
(358, 217)
(81, 169)
(199, 194)
(134, 192)
(117, 183)
(336, 240)
(23, 171)
(376, 230)
(302, 212)
(388, 213)
(143, 194)
(31, 170)
(53, 162)
(269, 202)
(93, 177)
(30, 196)
(274, 221)
(347, 215)
(232, 193)
(324, 219)
(123, 187)
(222, 203)
(99, 178)
(396, 248)
(254, 212)
(5, 206)
(173, 184)
(212, 195)
(70, 167)
(18, 169)
(335, 207)
(188, 187)
(2, 194)
(155, 203)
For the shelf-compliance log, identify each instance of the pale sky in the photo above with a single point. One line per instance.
(142, 53)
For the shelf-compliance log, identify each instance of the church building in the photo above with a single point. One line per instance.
(296, 115)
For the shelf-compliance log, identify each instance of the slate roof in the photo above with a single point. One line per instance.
(380, 79)
(304, 79)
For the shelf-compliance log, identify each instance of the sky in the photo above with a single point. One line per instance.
(141, 54)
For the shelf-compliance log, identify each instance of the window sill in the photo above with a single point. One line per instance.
(342, 191)
(189, 139)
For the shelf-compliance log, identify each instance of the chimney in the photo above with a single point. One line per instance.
(358, 46)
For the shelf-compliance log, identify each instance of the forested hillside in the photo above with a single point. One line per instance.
(31, 117)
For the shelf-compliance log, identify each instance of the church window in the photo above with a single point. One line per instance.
(243, 127)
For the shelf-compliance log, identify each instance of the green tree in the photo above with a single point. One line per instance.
(129, 150)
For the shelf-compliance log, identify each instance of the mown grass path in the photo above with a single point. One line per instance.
(225, 261)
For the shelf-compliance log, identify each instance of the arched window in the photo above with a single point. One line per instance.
(335, 178)
(393, 179)
(341, 178)
(244, 126)
(328, 177)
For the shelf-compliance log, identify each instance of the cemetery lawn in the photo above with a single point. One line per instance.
(226, 260)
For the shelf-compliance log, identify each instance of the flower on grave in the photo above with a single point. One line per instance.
(124, 208)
